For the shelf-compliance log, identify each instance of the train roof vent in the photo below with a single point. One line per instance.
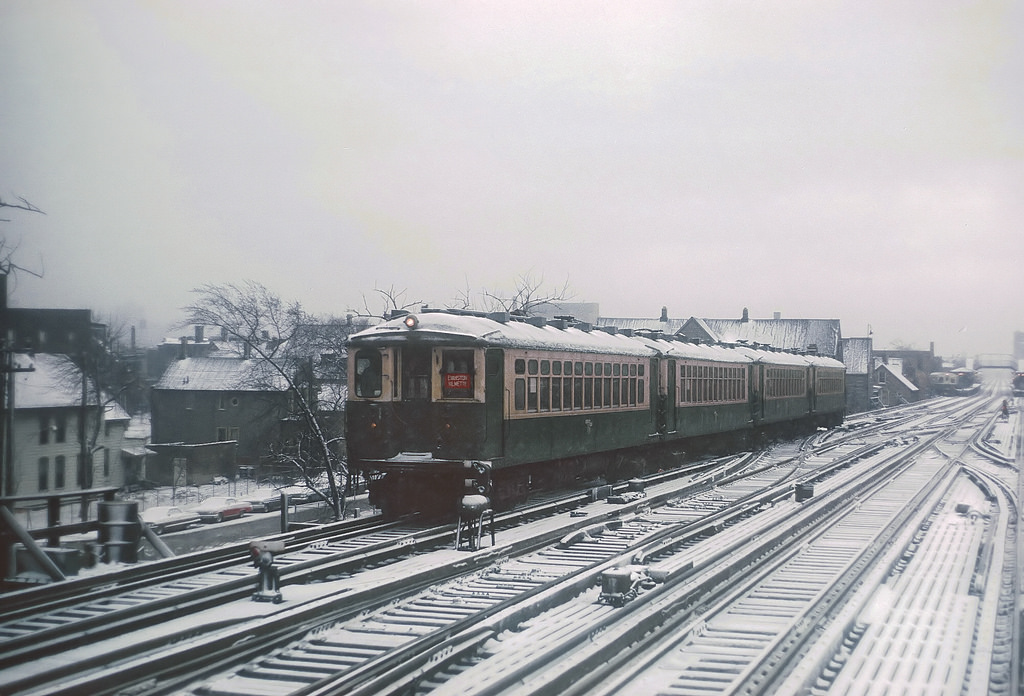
(558, 323)
(609, 329)
(585, 326)
(500, 317)
(626, 332)
(537, 321)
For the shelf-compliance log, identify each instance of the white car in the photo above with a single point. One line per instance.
(169, 518)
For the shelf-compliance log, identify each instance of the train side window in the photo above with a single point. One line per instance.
(567, 393)
(520, 390)
(545, 367)
(531, 367)
(545, 393)
(531, 394)
(368, 374)
(567, 368)
(520, 366)
(556, 393)
(457, 374)
(556, 367)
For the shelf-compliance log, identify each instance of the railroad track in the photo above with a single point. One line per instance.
(287, 626)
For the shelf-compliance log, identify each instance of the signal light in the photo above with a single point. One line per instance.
(481, 481)
(411, 321)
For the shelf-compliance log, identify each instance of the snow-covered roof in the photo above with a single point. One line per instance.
(898, 375)
(55, 382)
(670, 326)
(786, 334)
(443, 327)
(221, 374)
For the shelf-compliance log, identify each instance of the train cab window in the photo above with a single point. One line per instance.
(368, 374)
(415, 373)
(457, 374)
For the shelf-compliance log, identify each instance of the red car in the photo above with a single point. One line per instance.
(218, 509)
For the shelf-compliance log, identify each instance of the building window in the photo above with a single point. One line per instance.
(44, 429)
(62, 429)
(234, 434)
(44, 473)
(106, 461)
(222, 434)
(59, 467)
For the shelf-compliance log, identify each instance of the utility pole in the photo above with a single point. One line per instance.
(8, 369)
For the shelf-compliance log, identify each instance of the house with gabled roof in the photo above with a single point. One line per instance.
(892, 387)
(211, 415)
(49, 422)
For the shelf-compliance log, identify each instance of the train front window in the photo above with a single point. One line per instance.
(457, 374)
(415, 373)
(368, 374)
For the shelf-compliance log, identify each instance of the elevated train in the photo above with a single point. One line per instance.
(957, 382)
(442, 402)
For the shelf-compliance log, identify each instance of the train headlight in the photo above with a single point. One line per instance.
(411, 321)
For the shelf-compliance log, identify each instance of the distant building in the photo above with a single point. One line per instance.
(49, 421)
(859, 361)
(212, 415)
(818, 336)
(915, 365)
(893, 387)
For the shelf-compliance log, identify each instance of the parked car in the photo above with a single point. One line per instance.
(299, 494)
(219, 508)
(264, 499)
(170, 518)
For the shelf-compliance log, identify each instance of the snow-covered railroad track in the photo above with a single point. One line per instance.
(438, 629)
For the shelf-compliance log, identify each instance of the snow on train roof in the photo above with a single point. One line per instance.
(521, 334)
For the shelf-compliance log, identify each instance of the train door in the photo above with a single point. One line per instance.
(494, 399)
(812, 389)
(755, 379)
(670, 396)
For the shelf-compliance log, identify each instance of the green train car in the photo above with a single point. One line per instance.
(441, 403)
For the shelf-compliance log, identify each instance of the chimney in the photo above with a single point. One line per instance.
(182, 348)
(664, 314)
(133, 339)
(199, 333)
(746, 316)
(777, 315)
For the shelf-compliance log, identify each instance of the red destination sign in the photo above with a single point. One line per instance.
(457, 380)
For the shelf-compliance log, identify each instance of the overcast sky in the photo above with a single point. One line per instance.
(858, 160)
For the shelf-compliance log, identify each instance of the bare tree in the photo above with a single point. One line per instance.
(272, 329)
(388, 300)
(7, 250)
(529, 294)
